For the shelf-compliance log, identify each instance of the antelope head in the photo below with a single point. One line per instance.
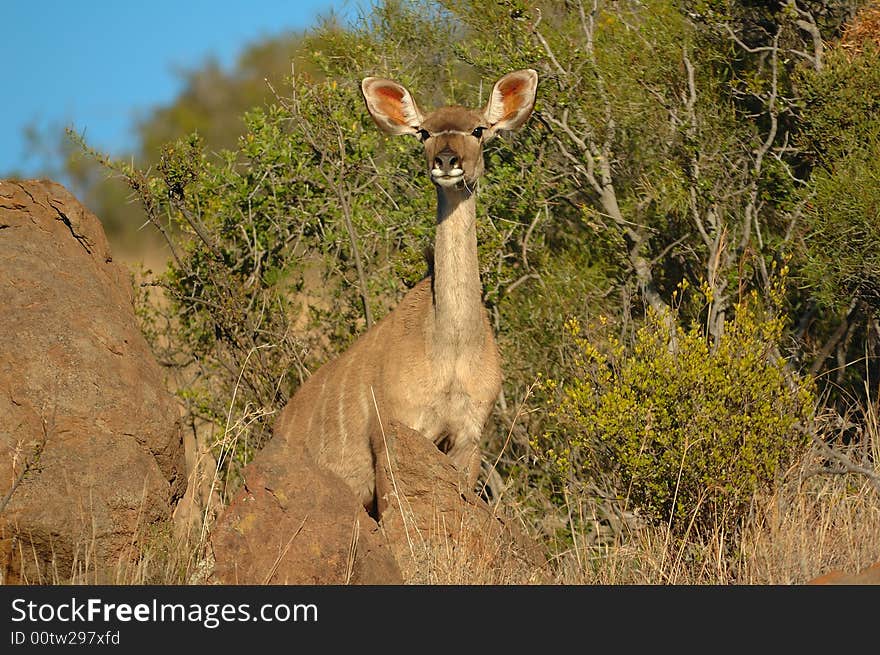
(453, 136)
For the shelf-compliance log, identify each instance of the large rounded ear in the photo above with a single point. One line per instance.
(391, 106)
(512, 100)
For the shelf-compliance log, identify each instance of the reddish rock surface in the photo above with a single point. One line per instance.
(442, 533)
(294, 523)
(90, 437)
(868, 576)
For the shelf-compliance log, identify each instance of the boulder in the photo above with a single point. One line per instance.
(441, 532)
(90, 442)
(295, 523)
(868, 576)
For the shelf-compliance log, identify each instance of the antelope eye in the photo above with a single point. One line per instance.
(423, 135)
(478, 132)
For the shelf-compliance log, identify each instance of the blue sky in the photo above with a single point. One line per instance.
(98, 65)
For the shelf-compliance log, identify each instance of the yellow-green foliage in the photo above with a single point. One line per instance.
(690, 429)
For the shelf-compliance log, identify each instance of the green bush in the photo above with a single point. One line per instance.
(689, 430)
(840, 120)
(262, 281)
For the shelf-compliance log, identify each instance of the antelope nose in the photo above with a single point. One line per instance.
(446, 160)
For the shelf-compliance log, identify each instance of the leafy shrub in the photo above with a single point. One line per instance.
(690, 430)
(264, 240)
(841, 128)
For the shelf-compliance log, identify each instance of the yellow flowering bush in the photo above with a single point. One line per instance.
(691, 429)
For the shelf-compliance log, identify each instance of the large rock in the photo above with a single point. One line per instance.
(441, 533)
(868, 576)
(91, 459)
(294, 523)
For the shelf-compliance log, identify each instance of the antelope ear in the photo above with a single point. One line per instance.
(512, 100)
(391, 106)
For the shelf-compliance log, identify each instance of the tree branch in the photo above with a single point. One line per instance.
(846, 464)
(807, 23)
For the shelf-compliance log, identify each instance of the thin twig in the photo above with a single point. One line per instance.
(29, 464)
(283, 552)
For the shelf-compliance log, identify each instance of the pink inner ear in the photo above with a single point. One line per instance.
(511, 92)
(388, 101)
(512, 86)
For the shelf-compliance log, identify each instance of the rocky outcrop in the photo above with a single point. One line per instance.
(868, 576)
(442, 533)
(90, 443)
(294, 523)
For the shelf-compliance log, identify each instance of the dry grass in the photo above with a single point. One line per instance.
(153, 556)
(460, 554)
(828, 523)
(863, 29)
(809, 526)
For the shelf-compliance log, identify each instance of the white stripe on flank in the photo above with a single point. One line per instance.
(340, 411)
(322, 421)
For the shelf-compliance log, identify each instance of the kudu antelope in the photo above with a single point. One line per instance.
(432, 363)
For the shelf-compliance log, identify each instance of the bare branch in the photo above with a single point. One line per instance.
(586, 164)
(846, 464)
(833, 340)
(197, 227)
(588, 23)
(343, 192)
(750, 211)
(525, 278)
(808, 24)
(742, 44)
(356, 254)
(528, 235)
(690, 101)
(666, 250)
(546, 45)
(771, 105)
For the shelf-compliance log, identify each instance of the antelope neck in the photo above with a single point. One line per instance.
(457, 293)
